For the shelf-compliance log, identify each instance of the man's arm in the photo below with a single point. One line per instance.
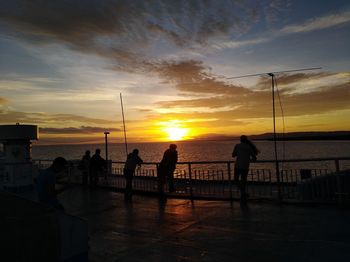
(62, 183)
(139, 161)
(252, 156)
(234, 153)
(53, 189)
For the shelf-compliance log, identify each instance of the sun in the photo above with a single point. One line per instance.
(176, 133)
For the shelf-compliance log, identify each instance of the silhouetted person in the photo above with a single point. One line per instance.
(46, 183)
(245, 152)
(167, 167)
(97, 167)
(132, 161)
(84, 166)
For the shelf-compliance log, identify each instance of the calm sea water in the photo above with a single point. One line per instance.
(200, 151)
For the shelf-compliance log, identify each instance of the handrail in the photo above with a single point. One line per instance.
(232, 161)
(193, 180)
(257, 161)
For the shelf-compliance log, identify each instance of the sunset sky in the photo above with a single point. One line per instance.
(63, 65)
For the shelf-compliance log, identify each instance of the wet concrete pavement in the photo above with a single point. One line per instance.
(180, 230)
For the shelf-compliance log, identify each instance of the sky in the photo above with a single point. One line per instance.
(64, 64)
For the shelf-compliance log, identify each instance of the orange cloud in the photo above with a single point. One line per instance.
(8, 117)
(3, 101)
(76, 130)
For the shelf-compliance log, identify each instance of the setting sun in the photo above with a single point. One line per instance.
(176, 133)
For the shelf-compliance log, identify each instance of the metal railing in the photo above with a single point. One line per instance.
(300, 179)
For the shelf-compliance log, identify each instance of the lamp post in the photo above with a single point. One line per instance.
(106, 144)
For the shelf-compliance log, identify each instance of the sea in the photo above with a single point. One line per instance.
(193, 151)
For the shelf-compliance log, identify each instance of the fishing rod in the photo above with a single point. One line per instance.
(125, 141)
(273, 80)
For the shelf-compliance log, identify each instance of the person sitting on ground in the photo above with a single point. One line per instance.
(46, 183)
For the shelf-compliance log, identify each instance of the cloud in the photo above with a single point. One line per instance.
(123, 30)
(302, 83)
(242, 102)
(318, 23)
(193, 76)
(283, 79)
(76, 130)
(3, 101)
(326, 99)
(58, 140)
(9, 116)
(126, 31)
(236, 44)
(329, 93)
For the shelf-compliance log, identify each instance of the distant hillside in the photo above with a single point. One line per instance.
(334, 135)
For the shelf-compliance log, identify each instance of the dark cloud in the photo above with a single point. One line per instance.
(190, 71)
(257, 102)
(193, 76)
(8, 117)
(121, 29)
(214, 136)
(76, 130)
(73, 139)
(286, 79)
(326, 99)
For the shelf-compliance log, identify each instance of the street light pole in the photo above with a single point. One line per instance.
(106, 144)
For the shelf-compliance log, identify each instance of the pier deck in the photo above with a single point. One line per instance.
(180, 230)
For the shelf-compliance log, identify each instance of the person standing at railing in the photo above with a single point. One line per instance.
(167, 167)
(84, 166)
(131, 162)
(97, 167)
(245, 152)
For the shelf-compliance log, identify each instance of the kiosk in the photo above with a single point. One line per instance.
(16, 167)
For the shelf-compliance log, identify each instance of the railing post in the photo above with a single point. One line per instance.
(339, 189)
(160, 182)
(190, 176)
(229, 179)
(70, 166)
(279, 189)
(337, 169)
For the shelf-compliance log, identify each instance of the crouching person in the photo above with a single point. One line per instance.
(46, 183)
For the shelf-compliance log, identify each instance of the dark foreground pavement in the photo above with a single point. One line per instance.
(180, 230)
